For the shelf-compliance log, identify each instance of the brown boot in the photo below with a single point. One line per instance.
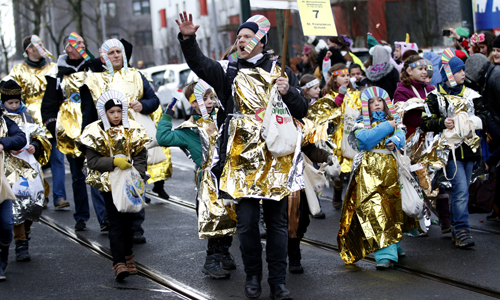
(443, 209)
(121, 271)
(132, 269)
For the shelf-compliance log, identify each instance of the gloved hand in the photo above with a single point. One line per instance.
(121, 162)
(329, 160)
(343, 89)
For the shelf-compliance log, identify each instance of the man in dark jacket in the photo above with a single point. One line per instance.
(247, 209)
(14, 139)
(67, 64)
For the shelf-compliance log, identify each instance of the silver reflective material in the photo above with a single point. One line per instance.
(295, 180)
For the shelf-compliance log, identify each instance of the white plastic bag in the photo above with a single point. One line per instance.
(155, 154)
(350, 117)
(5, 189)
(412, 198)
(315, 182)
(278, 128)
(127, 188)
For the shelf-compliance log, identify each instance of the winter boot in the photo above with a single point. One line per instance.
(227, 260)
(132, 269)
(443, 209)
(4, 257)
(294, 256)
(121, 271)
(22, 253)
(213, 267)
(337, 199)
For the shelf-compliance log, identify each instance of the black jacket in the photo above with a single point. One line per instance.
(53, 97)
(388, 82)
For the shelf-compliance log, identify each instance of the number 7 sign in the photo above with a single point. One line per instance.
(317, 17)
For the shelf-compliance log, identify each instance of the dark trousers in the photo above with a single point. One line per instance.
(219, 244)
(120, 230)
(276, 219)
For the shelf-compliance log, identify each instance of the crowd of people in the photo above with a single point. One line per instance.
(263, 139)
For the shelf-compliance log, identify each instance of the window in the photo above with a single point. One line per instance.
(141, 7)
(109, 9)
(169, 77)
(143, 38)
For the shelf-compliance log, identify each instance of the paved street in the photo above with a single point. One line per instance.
(62, 268)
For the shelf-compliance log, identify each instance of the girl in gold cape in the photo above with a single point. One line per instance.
(115, 134)
(372, 216)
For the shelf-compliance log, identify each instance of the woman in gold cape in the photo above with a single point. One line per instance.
(372, 216)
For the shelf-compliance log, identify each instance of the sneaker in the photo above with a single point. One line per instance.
(320, 215)
(139, 238)
(213, 267)
(2, 275)
(121, 271)
(384, 264)
(463, 239)
(295, 268)
(61, 203)
(227, 261)
(493, 217)
(80, 225)
(161, 193)
(22, 251)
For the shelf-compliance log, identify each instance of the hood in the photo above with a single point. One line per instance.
(377, 72)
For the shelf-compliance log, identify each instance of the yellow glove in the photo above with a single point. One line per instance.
(121, 162)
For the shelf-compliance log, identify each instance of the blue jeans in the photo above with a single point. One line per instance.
(80, 195)
(137, 222)
(58, 172)
(99, 205)
(6, 223)
(460, 193)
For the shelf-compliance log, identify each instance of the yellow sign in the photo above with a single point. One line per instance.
(317, 17)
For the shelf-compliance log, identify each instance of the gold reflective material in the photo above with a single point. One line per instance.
(131, 85)
(126, 141)
(216, 216)
(34, 84)
(312, 132)
(69, 117)
(372, 215)
(250, 169)
(324, 111)
(345, 163)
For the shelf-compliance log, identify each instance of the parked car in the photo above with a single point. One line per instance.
(175, 78)
(156, 74)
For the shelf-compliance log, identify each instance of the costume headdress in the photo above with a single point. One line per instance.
(372, 92)
(445, 60)
(9, 89)
(310, 84)
(340, 72)
(104, 53)
(406, 45)
(112, 96)
(418, 63)
(264, 26)
(72, 41)
(200, 88)
(36, 41)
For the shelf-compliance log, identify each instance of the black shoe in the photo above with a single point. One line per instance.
(22, 253)
(279, 292)
(252, 287)
(2, 275)
(147, 200)
(462, 239)
(104, 227)
(213, 267)
(161, 193)
(320, 215)
(80, 225)
(227, 261)
(139, 238)
(296, 268)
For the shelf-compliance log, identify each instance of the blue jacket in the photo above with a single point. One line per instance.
(369, 138)
(15, 139)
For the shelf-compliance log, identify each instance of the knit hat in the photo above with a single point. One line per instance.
(475, 67)
(112, 103)
(496, 42)
(456, 64)
(253, 27)
(371, 41)
(10, 90)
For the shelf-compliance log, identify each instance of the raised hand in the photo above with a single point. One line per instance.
(186, 26)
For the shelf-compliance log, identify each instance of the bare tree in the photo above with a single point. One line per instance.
(34, 11)
(94, 15)
(77, 7)
(56, 34)
(6, 46)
